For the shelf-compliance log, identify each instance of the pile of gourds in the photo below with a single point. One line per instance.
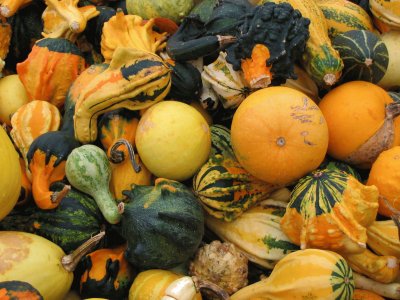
(208, 149)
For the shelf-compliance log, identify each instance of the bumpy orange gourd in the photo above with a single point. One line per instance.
(279, 135)
(360, 117)
(385, 175)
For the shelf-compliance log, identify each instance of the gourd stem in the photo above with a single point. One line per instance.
(56, 197)
(396, 213)
(70, 261)
(117, 156)
(392, 110)
(207, 285)
(330, 79)
(225, 40)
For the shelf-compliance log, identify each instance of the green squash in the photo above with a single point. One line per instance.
(364, 55)
(163, 224)
(332, 164)
(221, 141)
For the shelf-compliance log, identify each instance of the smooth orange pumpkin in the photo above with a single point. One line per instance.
(385, 175)
(279, 135)
(360, 125)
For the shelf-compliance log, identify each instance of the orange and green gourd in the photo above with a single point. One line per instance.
(330, 210)
(15, 289)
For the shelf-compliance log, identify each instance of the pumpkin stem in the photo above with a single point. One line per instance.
(70, 261)
(117, 156)
(225, 40)
(207, 285)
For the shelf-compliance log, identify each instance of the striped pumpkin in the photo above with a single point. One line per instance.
(364, 55)
(256, 233)
(304, 274)
(135, 79)
(338, 165)
(226, 189)
(342, 16)
(221, 141)
(330, 210)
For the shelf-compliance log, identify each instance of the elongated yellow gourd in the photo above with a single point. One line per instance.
(10, 175)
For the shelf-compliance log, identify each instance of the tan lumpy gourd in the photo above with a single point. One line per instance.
(330, 210)
(361, 118)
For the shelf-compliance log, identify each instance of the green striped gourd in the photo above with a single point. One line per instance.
(330, 210)
(364, 55)
(304, 274)
(256, 233)
(226, 189)
(320, 60)
(135, 79)
(338, 165)
(343, 15)
(88, 170)
(221, 141)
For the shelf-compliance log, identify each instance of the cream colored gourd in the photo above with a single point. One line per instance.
(391, 79)
(12, 97)
(10, 175)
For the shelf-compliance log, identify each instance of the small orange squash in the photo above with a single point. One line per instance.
(385, 175)
(360, 294)
(361, 122)
(279, 135)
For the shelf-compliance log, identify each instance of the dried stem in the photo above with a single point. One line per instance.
(117, 156)
(201, 284)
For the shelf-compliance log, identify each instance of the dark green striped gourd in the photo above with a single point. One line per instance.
(221, 141)
(226, 189)
(337, 165)
(364, 55)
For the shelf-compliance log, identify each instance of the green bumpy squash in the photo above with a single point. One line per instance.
(163, 224)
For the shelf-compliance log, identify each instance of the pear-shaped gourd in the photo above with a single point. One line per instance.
(89, 171)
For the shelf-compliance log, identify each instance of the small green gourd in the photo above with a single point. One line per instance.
(88, 170)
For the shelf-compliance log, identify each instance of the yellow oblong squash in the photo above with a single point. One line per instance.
(10, 175)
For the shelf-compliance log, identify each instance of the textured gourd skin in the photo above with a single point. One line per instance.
(163, 224)
(320, 274)
(37, 261)
(330, 210)
(10, 176)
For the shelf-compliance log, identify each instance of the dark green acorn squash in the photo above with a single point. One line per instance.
(364, 55)
(163, 224)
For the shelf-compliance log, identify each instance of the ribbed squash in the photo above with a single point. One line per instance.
(330, 210)
(304, 274)
(39, 262)
(364, 55)
(106, 273)
(226, 189)
(320, 59)
(383, 238)
(342, 16)
(32, 120)
(296, 134)
(256, 233)
(152, 284)
(10, 176)
(337, 165)
(130, 31)
(387, 13)
(15, 289)
(362, 122)
(51, 67)
(135, 79)
(221, 141)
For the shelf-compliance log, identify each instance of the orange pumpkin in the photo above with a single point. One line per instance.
(360, 117)
(385, 175)
(279, 135)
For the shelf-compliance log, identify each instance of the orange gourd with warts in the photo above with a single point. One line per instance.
(255, 69)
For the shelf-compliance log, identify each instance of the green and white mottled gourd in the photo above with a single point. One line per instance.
(89, 171)
(256, 233)
(364, 55)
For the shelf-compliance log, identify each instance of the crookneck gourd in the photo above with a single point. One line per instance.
(256, 233)
(135, 79)
(226, 189)
(330, 210)
(106, 274)
(130, 31)
(46, 161)
(51, 67)
(64, 19)
(9, 7)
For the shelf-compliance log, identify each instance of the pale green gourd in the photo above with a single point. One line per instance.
(88, 170)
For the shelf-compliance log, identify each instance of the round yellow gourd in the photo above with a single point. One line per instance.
(10, 175)
(35, 260)
(12, 97)
(173, 140)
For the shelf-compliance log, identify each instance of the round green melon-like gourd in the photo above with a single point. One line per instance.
(364, 55)
(173, 140)
(162, 224)
(175, 10)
